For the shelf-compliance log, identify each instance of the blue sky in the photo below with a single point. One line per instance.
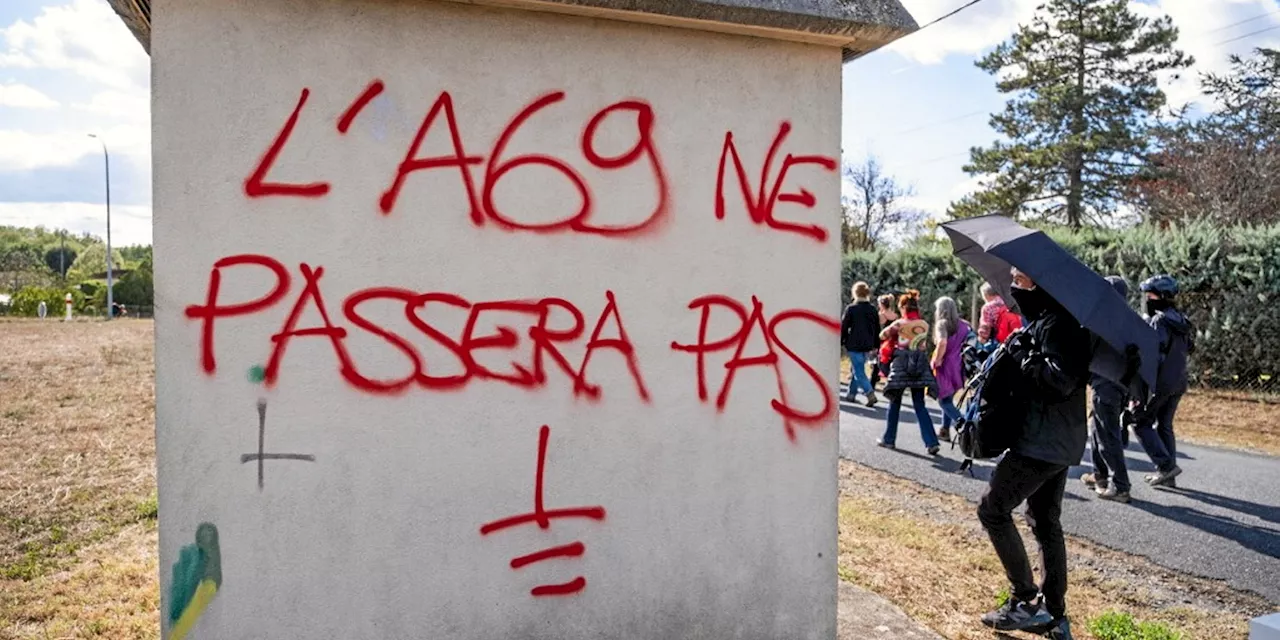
(69, 68)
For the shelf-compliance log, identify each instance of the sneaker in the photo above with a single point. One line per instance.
(933, 451)
(1094, 481)
(1164, 478)
(1018, 616)
(871, 400)
(885, 445)
(1059, 629)
(1113, 494)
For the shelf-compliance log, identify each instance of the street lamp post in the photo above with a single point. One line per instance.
(106, 163)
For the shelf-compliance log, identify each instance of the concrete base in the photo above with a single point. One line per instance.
(1265, 628)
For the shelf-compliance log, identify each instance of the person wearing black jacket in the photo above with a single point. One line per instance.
(1110, 477)
(1155, 419)
(1053, 352)
(860, 335)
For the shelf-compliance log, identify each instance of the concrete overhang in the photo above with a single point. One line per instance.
(856, 26)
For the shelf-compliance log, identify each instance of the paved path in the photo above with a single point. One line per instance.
(1222, 522)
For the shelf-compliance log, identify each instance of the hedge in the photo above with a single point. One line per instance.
(1230, 280)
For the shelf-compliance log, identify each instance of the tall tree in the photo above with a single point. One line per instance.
(1083, 95)
(1224, 166)
(876, 208)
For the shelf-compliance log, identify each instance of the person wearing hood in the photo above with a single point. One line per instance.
(1110, 477)
(1154, 426)
(1053, 355)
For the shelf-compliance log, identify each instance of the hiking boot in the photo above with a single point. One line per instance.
(1165, 478)
(1018, 616)
(1113, 494)
(944, 434)
(871, 399)
(1059, 629)
(1094, 481)
(933, 451)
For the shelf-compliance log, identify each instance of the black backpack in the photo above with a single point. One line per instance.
(992, 417)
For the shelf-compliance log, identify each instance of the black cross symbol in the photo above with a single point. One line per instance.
(261, 456)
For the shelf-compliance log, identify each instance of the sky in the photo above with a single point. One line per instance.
(69, 68)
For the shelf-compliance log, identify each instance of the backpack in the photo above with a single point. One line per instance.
(1007, 323)
(992, 417)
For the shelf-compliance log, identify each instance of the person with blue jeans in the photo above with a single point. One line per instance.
(948, 360)
(860, 335)
(909, 370)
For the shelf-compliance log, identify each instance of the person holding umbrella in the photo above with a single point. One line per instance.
(1155, 418)
(1077, 325)
(1054, 353)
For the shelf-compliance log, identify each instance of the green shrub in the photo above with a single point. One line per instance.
(1121, 626)
(26, 302)
(1230, 280)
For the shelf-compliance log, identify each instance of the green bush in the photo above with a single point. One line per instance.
(1121, 626)
(1230, 280)
(26, 302)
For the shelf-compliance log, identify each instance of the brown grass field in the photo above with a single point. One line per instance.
(78, 510)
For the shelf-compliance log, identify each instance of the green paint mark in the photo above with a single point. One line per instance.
(257, 374)
(196, 563)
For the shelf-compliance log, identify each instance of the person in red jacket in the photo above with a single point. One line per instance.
(996, 316)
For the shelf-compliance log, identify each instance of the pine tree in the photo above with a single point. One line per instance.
(1082, 81)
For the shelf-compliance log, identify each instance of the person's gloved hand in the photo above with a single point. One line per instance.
(1020, 344)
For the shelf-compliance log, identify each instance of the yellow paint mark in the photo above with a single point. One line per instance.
(203, 596)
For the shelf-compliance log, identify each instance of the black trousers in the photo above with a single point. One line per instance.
(1108, 444)
(1019, 479)
(1155, 431)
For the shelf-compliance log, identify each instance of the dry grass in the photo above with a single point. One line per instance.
(111, 593)
(77, 445)
(925, 551)
(1234, 420)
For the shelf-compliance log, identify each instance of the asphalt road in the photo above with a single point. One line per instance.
(1223, 520)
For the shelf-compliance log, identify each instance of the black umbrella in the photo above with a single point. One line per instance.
(992, 244)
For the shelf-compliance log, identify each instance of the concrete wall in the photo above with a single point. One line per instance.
(696, 520)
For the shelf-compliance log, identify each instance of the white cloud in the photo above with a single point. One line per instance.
(1203, 36)
(76, 48)
(84, 37)
(129, 225)
(20, 96)
(977, 29)
(134, 106)
(22, 150)
(970, 32)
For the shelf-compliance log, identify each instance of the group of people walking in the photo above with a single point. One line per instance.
(894, 332)
(1051, 356)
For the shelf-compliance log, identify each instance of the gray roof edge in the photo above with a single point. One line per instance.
(856, 26)
(136, 18)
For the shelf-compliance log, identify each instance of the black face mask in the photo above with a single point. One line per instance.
(1033, 303)
(1152, 307)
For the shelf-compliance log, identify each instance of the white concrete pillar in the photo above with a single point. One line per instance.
(499, 321)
